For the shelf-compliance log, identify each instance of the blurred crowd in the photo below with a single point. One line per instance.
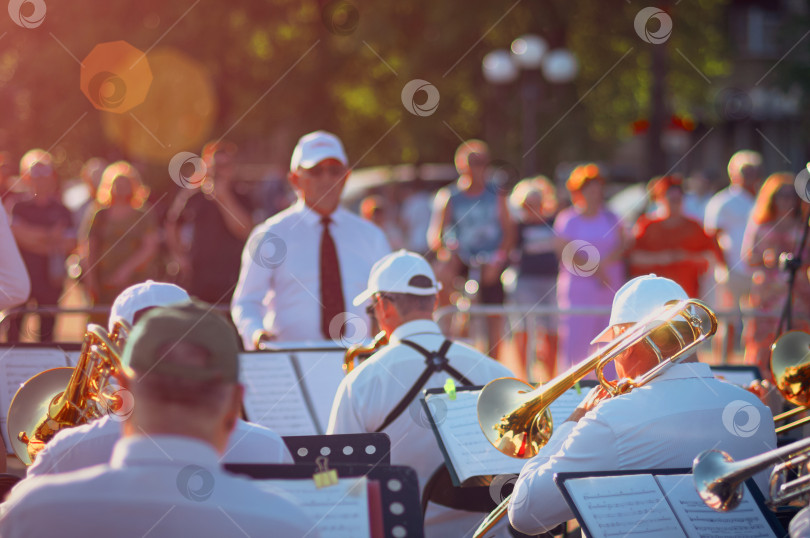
(553, 243)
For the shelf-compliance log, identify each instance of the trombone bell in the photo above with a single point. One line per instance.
(709, 471)
(523, 434)
(790, 365)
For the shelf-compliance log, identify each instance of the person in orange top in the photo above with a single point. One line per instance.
(670, 244)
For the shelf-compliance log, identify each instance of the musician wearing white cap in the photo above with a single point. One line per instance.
(92, 443)
(663, 424)
(164, 477)
(300, 265)
(382, 394)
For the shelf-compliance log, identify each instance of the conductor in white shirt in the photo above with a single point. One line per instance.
(164, 477)
(93, 443)
(663, 424)
(300, 265)
(383, 393)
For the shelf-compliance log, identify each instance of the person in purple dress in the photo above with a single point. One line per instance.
(590, 243)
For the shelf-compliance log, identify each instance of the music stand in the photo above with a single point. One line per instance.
(344, 448)
(399, 489)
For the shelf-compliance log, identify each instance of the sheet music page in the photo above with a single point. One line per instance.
(340, 511)
(273, 396)
(17, 365)
(628, 505)
(700, 520)
(322, 372)
(470, 452)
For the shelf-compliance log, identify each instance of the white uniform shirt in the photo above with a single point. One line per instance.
(92, 444)
(280, 290)
(161, 486)
(664, 424)
(728, 210)
(371, 391)
(14, 282)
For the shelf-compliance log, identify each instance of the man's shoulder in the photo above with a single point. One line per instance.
(102, 427)
(245, 427)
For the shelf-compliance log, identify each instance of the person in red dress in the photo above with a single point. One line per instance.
(670, 244)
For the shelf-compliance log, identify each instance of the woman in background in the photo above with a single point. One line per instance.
(535, 204)
(120, 238)
(590, 244)
(774, 227)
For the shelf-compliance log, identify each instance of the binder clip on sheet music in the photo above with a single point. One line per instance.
(325, 476)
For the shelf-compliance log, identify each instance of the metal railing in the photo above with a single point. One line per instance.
(446, 317)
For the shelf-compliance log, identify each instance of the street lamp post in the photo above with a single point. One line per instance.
(531, 59)
(499, 71)
(527, 53)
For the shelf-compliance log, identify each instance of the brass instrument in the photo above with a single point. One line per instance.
(790, 366)
(515, 417)
(359, 350)
(719, 479)
(65, 397)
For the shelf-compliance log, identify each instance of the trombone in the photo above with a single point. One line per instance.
(790, 366)
(516, 418)
(65, 397)
(719, 479)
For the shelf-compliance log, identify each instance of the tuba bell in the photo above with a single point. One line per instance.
(65, 397)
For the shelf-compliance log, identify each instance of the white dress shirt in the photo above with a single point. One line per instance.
(728, 210)
(15, 285)
(92, 444)
(369, 393)
(281, 292)
(161, 486)
(664, 424)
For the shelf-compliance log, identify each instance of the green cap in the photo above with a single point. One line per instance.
(192, 322)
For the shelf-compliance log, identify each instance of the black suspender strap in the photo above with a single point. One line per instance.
(435, 361)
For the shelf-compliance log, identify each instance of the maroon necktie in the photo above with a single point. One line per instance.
(332, 304)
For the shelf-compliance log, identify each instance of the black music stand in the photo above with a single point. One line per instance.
(399, 489)
(344, 448)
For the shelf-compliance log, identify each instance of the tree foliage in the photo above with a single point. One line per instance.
(282, 68)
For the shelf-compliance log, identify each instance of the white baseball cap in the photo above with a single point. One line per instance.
(315, 147)
(400, 272)
(144, 295)
(639, 298)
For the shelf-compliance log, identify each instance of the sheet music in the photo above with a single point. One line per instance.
(322, 372)
(17, 365)
(273, 395)
(700, 520)
(340, 511)
(629, 505)
(470, 452)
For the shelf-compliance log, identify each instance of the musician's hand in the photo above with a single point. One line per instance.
(261, 337)
(767, 393)
(593, 398)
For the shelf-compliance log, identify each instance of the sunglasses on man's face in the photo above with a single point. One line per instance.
(334, 170)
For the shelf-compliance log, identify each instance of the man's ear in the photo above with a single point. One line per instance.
(293, 178)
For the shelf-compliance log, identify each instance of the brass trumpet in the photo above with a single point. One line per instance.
(515, 417)
(719, 479)
(359, 350)
(65, 397)
(790, 366)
